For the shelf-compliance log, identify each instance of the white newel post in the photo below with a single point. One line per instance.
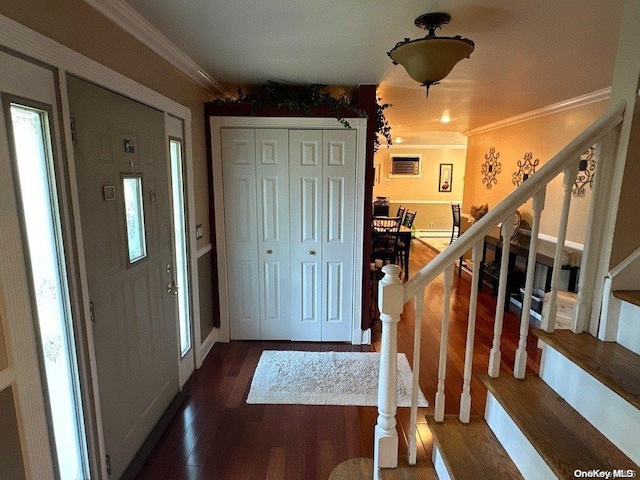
(390, 303)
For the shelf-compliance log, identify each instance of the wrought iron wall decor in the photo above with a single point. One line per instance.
(526, 168)
(490, 168)
(586, 170)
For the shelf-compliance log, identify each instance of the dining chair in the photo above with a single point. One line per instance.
(455, 231)
(385, 239)
(407, 222)
(400, 213)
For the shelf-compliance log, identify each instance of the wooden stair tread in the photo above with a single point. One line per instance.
(362, 469)
(631, 296)
(562, 437)
(471, 450)
(610, 363)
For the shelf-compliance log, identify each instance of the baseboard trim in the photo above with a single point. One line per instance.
(150, 442)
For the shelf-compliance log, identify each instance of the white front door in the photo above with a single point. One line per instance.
(126, 215)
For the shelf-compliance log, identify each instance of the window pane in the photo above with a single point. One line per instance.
(134, 213)
(182, 278)
(50, 289)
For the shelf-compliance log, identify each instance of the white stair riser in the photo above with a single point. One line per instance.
(522, 453)
(628, 331)
(616, 418)
(439, 465)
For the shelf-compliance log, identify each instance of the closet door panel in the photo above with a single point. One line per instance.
(240, 207)
(339, 155)
(305, 171)
(272, 174)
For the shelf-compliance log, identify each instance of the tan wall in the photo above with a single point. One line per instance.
(77, 25)
(422, 193)
(543, 137)
(11, 464)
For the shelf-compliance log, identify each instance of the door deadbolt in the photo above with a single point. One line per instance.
(312, 252)
(269, 252)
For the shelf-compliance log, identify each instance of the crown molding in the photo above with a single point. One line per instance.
(416, 147)
(127, 18)
(580, 101)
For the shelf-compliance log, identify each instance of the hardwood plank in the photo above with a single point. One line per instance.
(563, 438)
(472, 450)
(610, 363)
(631, 296)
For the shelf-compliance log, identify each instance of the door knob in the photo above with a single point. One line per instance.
(269, 252)
(172, 288)
(312, 252)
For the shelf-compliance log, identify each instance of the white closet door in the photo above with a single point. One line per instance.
(272, 174)
(339, 155)
(239, 174)
(305, 159)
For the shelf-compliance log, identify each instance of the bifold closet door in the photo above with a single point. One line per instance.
(255, 171)
(322, 183)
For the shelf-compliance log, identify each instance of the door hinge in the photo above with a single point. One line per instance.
(91, 315)
(73, 130)
(107, 461)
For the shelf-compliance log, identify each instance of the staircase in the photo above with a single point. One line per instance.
(581, 416)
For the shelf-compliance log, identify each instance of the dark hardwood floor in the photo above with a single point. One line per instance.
(217, 435)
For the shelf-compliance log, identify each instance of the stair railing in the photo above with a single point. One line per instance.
(393, 294)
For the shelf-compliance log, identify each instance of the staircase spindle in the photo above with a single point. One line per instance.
(390, 302)
(444, 341)
(465, 398)
(415, 388)
(520, 364)
(494, 355)
(549, 322)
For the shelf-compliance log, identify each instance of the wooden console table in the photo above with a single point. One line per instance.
(490, 271)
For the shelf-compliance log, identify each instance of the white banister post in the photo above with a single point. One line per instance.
(415, 388)
(520, 364)
(390, 302)
(549, 322)
(495, 355)
(465, 398)
(444, 343)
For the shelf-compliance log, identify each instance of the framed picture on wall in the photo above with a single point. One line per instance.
(446, 177)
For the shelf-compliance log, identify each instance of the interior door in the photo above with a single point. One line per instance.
(307, 306)
(124, 195)
(338, 173)
(255, 171)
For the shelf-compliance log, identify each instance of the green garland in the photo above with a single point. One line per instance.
(305, 98)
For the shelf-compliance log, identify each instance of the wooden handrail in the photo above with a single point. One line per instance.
(594, 133)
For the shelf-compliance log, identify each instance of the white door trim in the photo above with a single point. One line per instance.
(358, 124)
(30, 43)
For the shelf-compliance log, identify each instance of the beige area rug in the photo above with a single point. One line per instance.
(437, 243)
(325, 378)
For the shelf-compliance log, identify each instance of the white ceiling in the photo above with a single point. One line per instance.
(529, 53)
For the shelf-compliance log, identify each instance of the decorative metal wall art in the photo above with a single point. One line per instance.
(490, 168)
(526, 168)
(586, 170)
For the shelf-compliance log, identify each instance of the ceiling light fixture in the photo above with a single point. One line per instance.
(428, 60)
(445, 118)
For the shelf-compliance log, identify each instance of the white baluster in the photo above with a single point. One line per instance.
(444, 341)
(520, 364)
(549, 322)
(390, 302)
(415, 388)
(465, 398)
(494, 355)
